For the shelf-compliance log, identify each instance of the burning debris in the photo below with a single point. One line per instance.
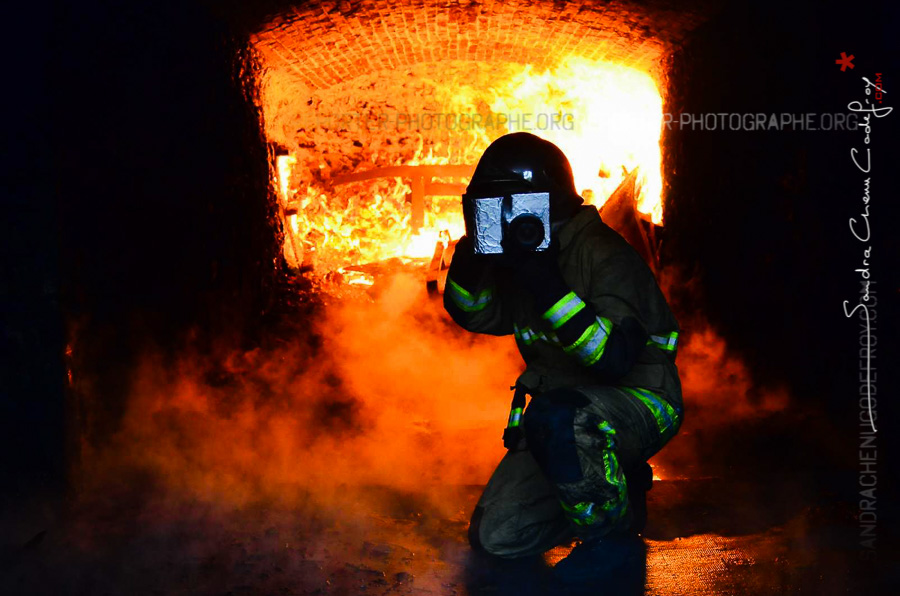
(347, 177)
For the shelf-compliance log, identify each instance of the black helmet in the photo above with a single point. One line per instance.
(523, 162)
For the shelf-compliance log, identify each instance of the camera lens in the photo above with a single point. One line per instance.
(527, 231)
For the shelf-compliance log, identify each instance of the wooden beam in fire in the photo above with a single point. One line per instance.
(420, 182)
(620, 213)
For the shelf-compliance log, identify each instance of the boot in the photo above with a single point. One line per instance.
(597, 560)
(639, 480)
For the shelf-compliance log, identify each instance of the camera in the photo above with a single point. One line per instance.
(521, 218)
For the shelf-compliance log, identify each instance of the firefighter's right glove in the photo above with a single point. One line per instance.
(532, 269)
(467, 266)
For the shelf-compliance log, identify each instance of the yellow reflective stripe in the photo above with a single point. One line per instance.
(615, 507)
(527, 336)
(467, 301)
(582, 514)
(587, 513)
(610, 433)
(665, 415)
(597, 353)
(589, 347)
(515, 417)
(564, 309)
(588, 332)
(668, 342)
(552, 338)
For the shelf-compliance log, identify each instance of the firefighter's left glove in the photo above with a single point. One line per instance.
(512, 438)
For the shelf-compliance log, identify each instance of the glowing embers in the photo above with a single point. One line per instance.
(374, 225)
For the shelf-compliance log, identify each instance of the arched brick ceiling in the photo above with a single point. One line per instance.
(321, 43)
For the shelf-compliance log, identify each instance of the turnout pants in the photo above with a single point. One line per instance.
(569, 480)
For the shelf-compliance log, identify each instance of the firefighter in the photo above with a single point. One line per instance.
(599, 342)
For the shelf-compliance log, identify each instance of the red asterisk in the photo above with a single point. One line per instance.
(845, 61)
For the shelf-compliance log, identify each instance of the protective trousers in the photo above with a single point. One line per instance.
(570, 479)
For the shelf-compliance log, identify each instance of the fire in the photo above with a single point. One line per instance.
(283, 165)
(373, 231)
(606, 118)
(610, 121)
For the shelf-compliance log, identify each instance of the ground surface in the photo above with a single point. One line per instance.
(713, 529)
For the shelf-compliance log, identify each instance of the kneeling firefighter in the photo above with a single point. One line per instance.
(598, 340)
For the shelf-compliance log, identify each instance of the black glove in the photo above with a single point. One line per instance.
(467, 267)
(533, 269)
(512, 437)
(465, 247)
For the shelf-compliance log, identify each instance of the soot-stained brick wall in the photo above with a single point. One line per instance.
(323, 43)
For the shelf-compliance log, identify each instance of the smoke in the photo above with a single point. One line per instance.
(345, 452)
(389, 393)
(716, 383)
(380, 391)
(720, 391)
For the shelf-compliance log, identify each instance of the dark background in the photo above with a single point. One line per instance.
(136, 210)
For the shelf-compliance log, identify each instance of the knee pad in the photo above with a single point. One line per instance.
(550, 434)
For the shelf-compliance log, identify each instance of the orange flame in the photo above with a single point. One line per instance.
(283, 165)
(611, 119)
(606, 118)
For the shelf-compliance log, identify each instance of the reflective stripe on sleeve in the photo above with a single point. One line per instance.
(515, 417)
(467, 301)
(525, 334)
(564, 309)
(669, 342)
(528, 336)
(589, 347)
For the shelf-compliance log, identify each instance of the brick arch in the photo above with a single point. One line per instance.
(320, 43)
